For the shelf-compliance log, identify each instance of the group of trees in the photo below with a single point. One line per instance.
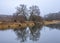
(52, 16)
(23, 14)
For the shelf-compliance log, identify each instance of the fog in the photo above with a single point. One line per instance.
(8, 7)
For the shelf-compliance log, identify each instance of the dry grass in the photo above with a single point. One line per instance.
(51, 22)
(14, 25)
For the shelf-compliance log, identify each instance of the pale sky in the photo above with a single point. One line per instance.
(46, 6)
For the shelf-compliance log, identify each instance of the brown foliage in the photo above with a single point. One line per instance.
(19, 18)
(35, 18)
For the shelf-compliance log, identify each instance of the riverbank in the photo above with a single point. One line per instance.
(13, 25)
(51, 22)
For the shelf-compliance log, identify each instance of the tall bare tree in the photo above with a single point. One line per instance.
(35, 14)
(34, 10)
(21, 10)
(21, 13)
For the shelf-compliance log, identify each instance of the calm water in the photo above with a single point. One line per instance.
(36, 34)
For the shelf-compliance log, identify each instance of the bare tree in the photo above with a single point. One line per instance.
(22, 10)
(21, 13)
(35, 14)
(34, 10)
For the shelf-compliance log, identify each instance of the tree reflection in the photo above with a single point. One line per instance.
(21, 34)
(54, 26)
(35, 32)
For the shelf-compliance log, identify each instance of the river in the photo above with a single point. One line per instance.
(36, 34)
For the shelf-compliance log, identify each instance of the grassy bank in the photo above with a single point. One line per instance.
(51, 22)
(13, 25)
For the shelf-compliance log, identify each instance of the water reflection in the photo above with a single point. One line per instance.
(21, 34)
(54, 26)
(33, 33)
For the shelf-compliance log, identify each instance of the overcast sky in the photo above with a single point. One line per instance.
(46, 6)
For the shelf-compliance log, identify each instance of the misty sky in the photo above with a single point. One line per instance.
(46, 6)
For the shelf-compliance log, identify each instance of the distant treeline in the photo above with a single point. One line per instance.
(52, 16)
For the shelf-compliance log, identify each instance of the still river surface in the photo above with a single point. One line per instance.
(36, 34)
